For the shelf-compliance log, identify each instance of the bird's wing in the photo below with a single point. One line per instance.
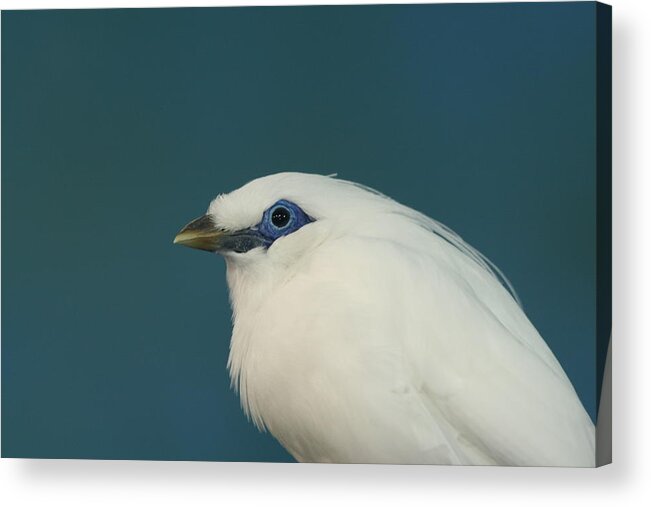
(472, 355)
(484, 367)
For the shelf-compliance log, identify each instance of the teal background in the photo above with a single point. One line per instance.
(118, 126)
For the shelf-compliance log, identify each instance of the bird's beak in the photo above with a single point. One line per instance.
(201, 234)
(204, 235)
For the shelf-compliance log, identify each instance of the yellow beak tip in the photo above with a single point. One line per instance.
(200, 234)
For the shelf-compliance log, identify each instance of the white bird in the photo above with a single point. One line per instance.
(366, 332)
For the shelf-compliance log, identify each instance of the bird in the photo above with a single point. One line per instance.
(365, 331)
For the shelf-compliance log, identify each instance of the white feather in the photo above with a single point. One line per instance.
(377, 335)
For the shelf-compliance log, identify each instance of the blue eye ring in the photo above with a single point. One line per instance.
(281, 219)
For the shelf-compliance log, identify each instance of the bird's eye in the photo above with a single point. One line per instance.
(280, 217)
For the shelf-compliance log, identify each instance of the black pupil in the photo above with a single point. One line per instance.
(280, 217)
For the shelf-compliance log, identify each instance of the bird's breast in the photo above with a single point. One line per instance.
(320, 363)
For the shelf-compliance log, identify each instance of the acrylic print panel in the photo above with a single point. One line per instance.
(359, 328)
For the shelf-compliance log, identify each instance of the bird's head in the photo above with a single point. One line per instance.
(280, 216)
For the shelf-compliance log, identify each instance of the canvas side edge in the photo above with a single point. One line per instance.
(604, 234)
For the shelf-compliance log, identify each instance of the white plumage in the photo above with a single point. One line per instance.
(374, 334)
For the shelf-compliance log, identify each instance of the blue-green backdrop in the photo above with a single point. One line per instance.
(118, 126)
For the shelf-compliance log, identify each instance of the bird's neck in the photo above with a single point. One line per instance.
(249, 286)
